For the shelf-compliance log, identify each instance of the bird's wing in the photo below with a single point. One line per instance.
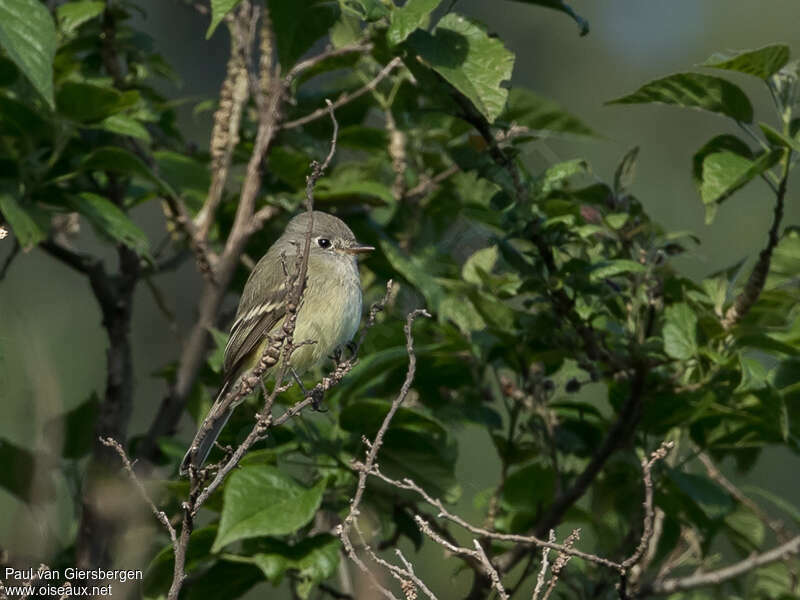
(261, 308)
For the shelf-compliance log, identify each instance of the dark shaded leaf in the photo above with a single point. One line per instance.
(692, 90)
(583, 24)
(75, 428)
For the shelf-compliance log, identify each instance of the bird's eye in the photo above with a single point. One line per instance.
(324, 242)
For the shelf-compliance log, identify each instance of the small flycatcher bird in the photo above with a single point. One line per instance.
(329, 313)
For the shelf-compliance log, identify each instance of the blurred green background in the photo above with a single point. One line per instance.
(52, 345)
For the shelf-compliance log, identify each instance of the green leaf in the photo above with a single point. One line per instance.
(110, 221)
(725, 172)
(776, 138)
(747, 530)
(368, 10)
(413, 272)
(555, 176)
(471, 61)
(413, 15)
(482, 261)
(119, 160)
(785, 265)
(87, 102)
(28, 35)
(519, 491)
(185, 173)
(365, 417)
(583, 24)
(22, 224)
(72, 15)
(75, 429)
(8, 72)
(539, 114)
(680, 331)
(709, 497)
(298, 24)
(19, 475)
(692, 90)
(314, 558)
(261, 500)
(761, 63)
(611, 268)
(219, 8)
(123, 125)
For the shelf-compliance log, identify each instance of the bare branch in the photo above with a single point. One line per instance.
(543, 569)
(758, 276)
(347, 97)
(678, 584)
(128, 466)
(310, 63)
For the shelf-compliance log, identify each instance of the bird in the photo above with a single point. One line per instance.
(329, 313)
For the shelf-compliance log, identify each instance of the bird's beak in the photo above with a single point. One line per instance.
(357, 248)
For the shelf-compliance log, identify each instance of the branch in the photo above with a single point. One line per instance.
(758, 277)
(310, 63)
(128, 466)
(678, 584)
(350, 521)
(346, 97)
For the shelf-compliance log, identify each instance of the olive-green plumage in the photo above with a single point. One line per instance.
(329, 313)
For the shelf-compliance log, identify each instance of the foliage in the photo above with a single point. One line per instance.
(559, 318)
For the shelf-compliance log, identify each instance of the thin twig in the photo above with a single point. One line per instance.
(346, 97)
(159, 514)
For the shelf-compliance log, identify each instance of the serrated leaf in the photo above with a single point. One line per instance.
(261, 500)
(583, 24)
(28, 35)
(219, 8)
(414, 14)
(72, 15)
(110, 221)
(693, 90)
(471, 61)
(539, 114)
(22, 224)
(761, 63)
(680, 331)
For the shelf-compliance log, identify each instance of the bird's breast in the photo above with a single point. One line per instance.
(329, 314)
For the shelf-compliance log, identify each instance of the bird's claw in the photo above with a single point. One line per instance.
(317, 396)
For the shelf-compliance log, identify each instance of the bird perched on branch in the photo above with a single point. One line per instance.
(329, 313)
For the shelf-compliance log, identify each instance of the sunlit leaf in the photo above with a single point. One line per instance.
(28, 35)
(471, 61)
(761, 63)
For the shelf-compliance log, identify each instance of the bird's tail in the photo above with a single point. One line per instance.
(208, 433)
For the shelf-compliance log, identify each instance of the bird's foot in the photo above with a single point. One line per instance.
(317, 396)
